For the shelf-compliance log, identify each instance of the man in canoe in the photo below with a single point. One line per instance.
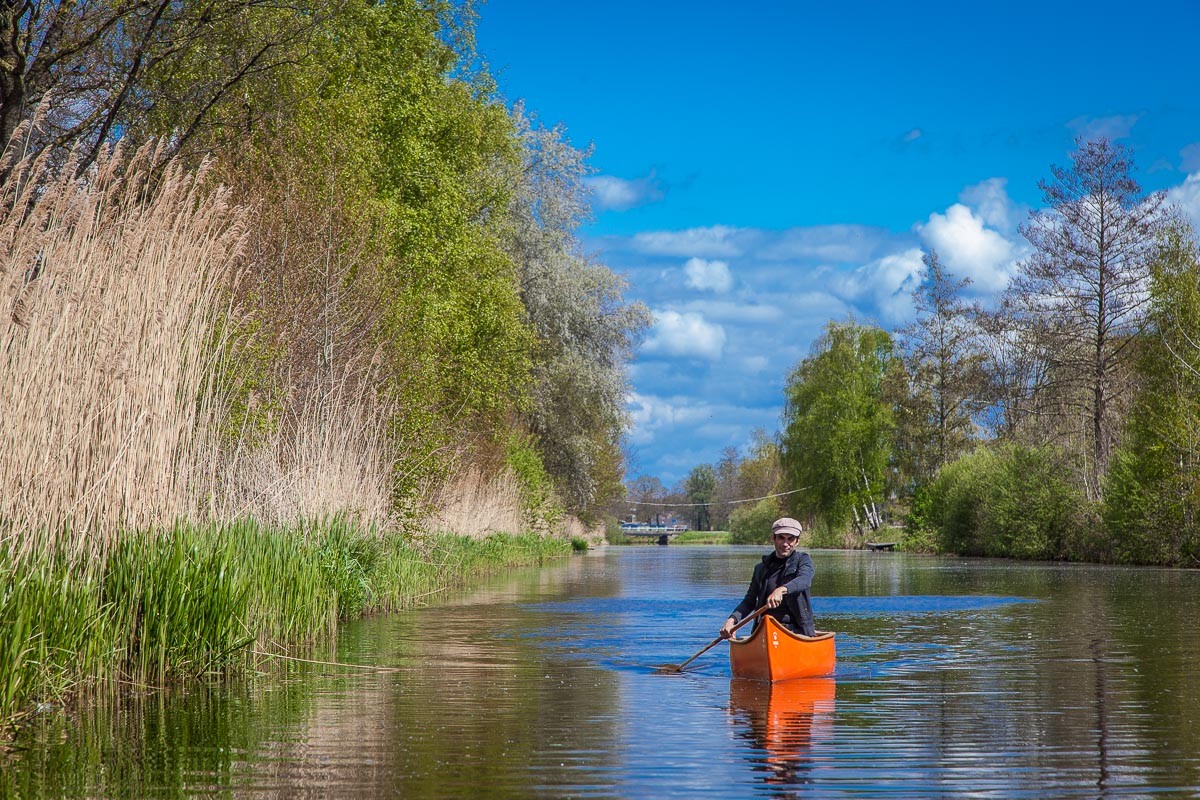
(781, 583)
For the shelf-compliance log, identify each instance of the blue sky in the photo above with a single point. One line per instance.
(763, 168)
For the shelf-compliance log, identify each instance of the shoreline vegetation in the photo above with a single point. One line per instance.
(192, 602)
(294, 327)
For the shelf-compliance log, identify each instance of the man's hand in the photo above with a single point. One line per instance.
(776, 597)
(727, 628)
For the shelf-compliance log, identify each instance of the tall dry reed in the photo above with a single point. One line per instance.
(473, 504)
(109, 288)
(328, 457)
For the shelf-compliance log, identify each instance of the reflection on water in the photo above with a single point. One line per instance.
(779, 722)
(954, 676)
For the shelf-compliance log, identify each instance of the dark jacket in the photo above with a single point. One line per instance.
(796, 609)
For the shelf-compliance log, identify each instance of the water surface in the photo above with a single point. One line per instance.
(955, 676)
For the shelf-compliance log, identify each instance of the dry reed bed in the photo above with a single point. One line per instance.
(109, 288)
(125, 548)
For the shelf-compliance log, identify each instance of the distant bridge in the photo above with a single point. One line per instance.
(664, 532)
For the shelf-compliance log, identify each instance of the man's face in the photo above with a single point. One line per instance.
(785, 543)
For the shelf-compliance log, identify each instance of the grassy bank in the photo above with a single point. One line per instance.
(194, 601)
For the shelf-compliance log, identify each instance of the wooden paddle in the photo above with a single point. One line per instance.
(712, 644)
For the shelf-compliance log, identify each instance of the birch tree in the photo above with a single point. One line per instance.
(837, 438)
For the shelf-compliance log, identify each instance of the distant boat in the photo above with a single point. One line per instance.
(773, 653)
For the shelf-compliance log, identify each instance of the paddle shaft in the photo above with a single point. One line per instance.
(720, 639)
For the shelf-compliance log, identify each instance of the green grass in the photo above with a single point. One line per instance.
(185, 602)
(703, 537)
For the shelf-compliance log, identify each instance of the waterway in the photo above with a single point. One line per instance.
(955, 677)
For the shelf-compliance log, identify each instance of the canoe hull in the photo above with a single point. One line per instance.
(773, 653)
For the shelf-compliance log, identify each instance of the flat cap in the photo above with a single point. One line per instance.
(786, 525)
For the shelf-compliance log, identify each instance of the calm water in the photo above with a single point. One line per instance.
(980, 678)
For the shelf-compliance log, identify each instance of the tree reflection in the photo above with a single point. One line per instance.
(781, 721)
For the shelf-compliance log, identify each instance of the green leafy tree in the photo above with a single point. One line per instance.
(759, 473)
(837, 437)
(700, 487)
(585, 330)
(1152, 496)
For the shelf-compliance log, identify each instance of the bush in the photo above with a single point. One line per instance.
(1007, 501)
(752, 524)
(921, 535)
(613, 533)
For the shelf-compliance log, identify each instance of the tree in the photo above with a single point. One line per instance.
(837, 437)
(727, 491)
(945, 367)
(1082, 294)
(585, 331)
(97, 71)
(759, 472)
(1152, 493)
(700, 487)
(649, 494)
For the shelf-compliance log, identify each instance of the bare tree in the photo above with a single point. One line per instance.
(1082, 295)
(945, 365)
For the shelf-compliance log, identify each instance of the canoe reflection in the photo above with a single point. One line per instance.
(780, 721)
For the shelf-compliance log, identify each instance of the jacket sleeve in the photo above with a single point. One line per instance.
(803, 580)
(749, 602)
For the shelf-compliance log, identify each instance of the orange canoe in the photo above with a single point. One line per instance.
(773, 653)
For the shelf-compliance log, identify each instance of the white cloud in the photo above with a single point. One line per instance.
(686, 335)
(685, 431)
(716, 241)
(968, 248)
(887, 283)
(708, 275)
(1187, 197)
(1191, 157)
(755, 364)
(1117, 126)
(991, 202)
(619, 194)
(651, 414)
(841, 244)
(727, 311)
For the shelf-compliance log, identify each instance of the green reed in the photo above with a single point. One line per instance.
(192, 601)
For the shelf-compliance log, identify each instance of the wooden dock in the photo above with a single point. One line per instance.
(877, 546)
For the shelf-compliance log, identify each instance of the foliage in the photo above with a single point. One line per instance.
(759, 473)
(837, 437)
(921, 535)
(751, 524)
(541, 504)
(1008, 501)
(1152, 495)
(189, 600)
(613, 533)
(701, 487)
(584, 329)
(89, 73)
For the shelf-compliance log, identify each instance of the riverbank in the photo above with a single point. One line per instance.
(167, 606)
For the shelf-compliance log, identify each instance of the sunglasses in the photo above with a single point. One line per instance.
(787, 537)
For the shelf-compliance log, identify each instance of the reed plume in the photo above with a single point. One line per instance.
(110, 285)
